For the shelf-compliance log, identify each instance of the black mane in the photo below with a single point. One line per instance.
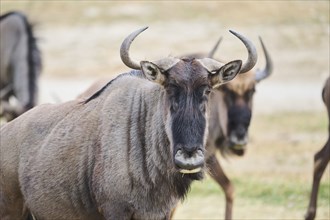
(8, 14)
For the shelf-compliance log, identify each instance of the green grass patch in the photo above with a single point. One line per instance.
(287, 192)
(283, 192)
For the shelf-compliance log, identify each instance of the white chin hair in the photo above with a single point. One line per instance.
(190, 171)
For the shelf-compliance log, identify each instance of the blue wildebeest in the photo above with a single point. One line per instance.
(20, 65)
(229, 120)
(129, 151)
(321, 159)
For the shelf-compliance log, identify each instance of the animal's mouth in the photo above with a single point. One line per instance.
(184, 171)
(238, 145)
(189, 164)
(238, 142)
(237, 148)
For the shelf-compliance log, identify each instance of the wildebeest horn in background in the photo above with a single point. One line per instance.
(262, 74)
(212, 52)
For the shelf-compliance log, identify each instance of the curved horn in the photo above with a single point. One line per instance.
(124, 50)
(212, 52)
(252, 52)
(262, 74)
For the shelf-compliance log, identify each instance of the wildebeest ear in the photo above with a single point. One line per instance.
(226, 73)
(152, 72)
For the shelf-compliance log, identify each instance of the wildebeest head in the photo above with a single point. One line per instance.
(238, 96)
(186, 84)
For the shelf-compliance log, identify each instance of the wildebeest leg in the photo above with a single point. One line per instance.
(20, 70)
(321, 159)
(217, 173)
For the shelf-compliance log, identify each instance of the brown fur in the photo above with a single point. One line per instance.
(242, 83)
(321, 159)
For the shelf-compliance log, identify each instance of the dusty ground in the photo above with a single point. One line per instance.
(80, 44)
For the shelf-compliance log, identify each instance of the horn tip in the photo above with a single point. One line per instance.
(233, 32)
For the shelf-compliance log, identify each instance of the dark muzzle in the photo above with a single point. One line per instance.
(189, 161)
(239, 118)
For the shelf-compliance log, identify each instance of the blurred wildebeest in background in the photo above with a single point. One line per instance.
(229, 120)
(20, 65)
(321, 159)
(130, 151)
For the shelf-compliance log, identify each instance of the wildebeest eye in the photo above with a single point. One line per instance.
(248, 95)
(231, 94)
(174, 106)
(203, 90)
(202, 107)
(228, 92)
(174, 94)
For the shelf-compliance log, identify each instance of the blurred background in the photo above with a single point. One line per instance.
(80, 44)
